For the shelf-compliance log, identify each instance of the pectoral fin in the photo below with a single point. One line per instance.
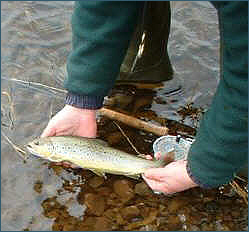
(136, 177)
(98, 173)
(142, 156)
(101, 142)
(55, 159)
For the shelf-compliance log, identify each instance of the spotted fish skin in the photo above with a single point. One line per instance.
(92, 154)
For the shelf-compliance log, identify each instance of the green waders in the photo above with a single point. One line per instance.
(147, 59)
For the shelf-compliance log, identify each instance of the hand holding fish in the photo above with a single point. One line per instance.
(170, 179)
(72, 121)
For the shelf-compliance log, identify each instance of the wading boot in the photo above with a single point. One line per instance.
(147, 59)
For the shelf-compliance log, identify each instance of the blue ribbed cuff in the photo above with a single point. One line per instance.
(84, 101)
(193, 178)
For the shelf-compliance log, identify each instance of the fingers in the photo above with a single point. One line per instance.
(148, 157)
(158, 186)
(157, 155)
(170, 179)
(155, 185)
(155, 174)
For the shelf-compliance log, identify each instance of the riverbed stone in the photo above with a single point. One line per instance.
(95, 204)
(96, 181)
(123, 188)
(102, 224)
(143, 189)
(175, 204)
(130, 212)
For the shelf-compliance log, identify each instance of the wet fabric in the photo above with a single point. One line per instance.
(221, 146)
(101, 36)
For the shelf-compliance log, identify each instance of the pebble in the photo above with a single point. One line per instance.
(235, 213)
(95, 204)
(148, 228)
(143, 189)
(123, 189)
(130, 212)
(206, 226)
(173, 220)
(193, 228)
(96, 181)
(212, 206)
(102, 224)
(104, 191)
(68, 227)
(87, 224)
(175, 204)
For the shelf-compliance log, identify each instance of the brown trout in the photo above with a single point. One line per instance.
(92, 154)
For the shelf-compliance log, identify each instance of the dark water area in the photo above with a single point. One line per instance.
(39, 195)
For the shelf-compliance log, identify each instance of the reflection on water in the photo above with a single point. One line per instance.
(37, 195)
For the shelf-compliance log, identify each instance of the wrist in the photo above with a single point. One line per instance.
(84, 101)
(194, 178)
(187, 177)
(80, 110)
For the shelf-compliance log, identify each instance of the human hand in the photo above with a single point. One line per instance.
(169, 179)
(72, 121)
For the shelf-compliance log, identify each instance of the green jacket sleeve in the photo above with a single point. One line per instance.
(221, 146)
(101, 34)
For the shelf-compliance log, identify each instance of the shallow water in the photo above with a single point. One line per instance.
(37, 195)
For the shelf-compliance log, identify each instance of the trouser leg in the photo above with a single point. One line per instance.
(151, 36)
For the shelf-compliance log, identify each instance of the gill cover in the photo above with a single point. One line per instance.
(42, 147)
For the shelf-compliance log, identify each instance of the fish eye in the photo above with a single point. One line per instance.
(36, 143)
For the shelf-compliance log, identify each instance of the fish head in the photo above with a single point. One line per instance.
(41, 147)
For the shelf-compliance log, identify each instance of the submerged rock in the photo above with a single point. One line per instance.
(114, 216)
(87, 224)
(96, 181)
(175, 204)
(102, 224)
(130, 212)
(148, 220)
(149, 228)
(143, 189)
(123, 188)
(104, 191)
(95, 204)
